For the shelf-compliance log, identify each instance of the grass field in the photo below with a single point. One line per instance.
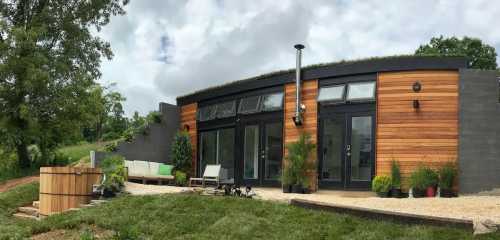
(76, 153)
(201, 217)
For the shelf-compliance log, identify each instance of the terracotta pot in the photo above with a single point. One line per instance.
(430, 192)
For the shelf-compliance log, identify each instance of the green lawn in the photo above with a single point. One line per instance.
(79, 152)
(200, 217)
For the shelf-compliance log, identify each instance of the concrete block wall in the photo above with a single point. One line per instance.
(479, 131)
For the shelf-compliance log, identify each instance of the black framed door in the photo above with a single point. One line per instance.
(261, 151)
(346, 149)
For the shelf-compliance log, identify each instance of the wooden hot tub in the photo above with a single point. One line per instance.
(62, 188)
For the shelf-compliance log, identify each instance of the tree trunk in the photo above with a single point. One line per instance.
(23, 155)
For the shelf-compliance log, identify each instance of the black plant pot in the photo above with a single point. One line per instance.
(446, 193)
(297, 188)
(108, 193)
(383, 194)
(306, 191)
(396, 193)
(287, 188)
(419, 193)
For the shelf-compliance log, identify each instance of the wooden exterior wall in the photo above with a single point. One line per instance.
(427, 136)
(310, 120)
(188, 118)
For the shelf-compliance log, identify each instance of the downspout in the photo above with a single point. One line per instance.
(297, 119)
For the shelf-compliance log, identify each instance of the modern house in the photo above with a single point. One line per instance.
(361, 114)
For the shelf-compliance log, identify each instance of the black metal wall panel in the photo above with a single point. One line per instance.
(479, 131)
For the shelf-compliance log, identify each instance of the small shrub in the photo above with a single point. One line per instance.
(395, 175)
(423, 178)
(447, 175)
(114, 168)
(111, 147)
(128, 135)
(180, 178)
(182, 152)
(298, 164)
(381, 184)
(110, 136)
(154, 117)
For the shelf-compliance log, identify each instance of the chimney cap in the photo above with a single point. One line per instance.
(299, 46)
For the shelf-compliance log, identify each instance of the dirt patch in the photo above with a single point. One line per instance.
(92, 232)
(18, 181)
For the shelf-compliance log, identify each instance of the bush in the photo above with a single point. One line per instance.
(381, 184)
(60, 159)
(423, 178)
(154, 117)
(110, 136)
(113, 168)
(180, 178)
(395, 175)
(298, 164)
(447, 175)
(111, 147)
(182, 152)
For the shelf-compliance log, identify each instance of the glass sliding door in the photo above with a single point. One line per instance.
(361, 148)
(217, 147)
(262, 152)
(251, 152)
(346, 149)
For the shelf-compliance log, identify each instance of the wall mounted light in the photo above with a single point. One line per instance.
(417, 86)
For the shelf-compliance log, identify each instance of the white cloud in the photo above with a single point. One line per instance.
(213, 42)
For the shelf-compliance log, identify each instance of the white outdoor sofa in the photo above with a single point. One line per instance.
(146, 171)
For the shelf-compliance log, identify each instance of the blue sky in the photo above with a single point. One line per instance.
(165, 48)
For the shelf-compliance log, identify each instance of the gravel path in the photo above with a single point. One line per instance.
(470, 207)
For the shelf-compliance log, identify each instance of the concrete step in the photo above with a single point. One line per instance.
(36, 204)
(25, 216)
(29, 211)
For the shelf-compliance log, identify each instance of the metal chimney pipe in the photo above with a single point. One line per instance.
(298, 109)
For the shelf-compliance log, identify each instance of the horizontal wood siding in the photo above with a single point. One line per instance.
(188, 118)
(310, 119)
(427, 136)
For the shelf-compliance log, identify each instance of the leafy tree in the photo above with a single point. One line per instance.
(182, 152)
(49, 60)
(480, 55)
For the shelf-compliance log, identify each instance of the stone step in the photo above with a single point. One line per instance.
(36, 204)
(25, 216)
(96, 202)
(29, 211)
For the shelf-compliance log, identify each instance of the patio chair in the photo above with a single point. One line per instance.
(211, 174)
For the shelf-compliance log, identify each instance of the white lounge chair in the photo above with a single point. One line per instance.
(211, 174)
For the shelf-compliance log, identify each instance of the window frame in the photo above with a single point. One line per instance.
(257, 109)
(263, 96)
(361, 99)
(340, 100)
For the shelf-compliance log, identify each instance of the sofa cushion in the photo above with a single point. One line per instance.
(154, 168)
(165, 170)
(141, 168)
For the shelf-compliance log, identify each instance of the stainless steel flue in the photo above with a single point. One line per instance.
(298, 108)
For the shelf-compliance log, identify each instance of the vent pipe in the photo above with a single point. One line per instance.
(297, 119)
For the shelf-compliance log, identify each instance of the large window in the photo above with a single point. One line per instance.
(360, 91)
(217, 147)
(220, 110)
(333, 93)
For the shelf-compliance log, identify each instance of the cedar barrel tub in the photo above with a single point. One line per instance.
(62, 188)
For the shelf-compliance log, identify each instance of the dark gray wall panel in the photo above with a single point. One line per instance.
(479, 130)
(155, 146)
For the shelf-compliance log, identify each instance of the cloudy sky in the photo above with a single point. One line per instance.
(165, 48)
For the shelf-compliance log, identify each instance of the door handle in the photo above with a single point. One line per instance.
(348, 150)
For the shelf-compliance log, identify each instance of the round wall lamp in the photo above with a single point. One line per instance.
(417, 86)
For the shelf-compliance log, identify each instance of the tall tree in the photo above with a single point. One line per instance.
(49, 60)
(480, 55)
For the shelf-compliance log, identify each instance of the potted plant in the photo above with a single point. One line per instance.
(382, 185)
(417, 183)
(286, 181)
(396, 179)
(113, 168)
(447, 175)
(182, 153)
(423, 182)
(298, 164)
